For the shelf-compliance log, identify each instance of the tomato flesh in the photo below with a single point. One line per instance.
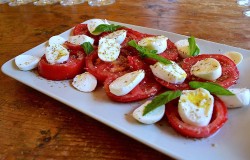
(230, 73)
(62, 71)
(80, 29)
(173, 86)
(73, 47)
(145, 89)
(219, 117)
(102, 70)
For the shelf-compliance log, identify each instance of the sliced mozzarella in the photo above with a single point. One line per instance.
(195, 107)
(108, 49)
(119, 36)
(85, 82)
(183, 48)
(234, 56)
(56, 40)
(126, 83)
(151, 117)
(208, 69)
(241, 98)
(92, 24)
(26, 62)
(80, 39)
(56, 54)
(158, 43)
(171, 73)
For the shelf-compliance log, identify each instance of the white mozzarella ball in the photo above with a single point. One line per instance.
(151, 117)
(119, 36)
(92, 24)
(85, 82)
(108, 49)
(208, 69)
(158, 43)
(26, 62)
(56, 40)
(126, 83)
(56, 54)
(240, 98)
(183, 48)
(234, 56)
(171, 73)
(195, 107)
(80, 39)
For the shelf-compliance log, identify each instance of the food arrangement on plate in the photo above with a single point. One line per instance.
(192, 89)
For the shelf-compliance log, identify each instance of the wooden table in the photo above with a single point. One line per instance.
(35, 126)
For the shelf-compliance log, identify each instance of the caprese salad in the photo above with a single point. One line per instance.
(192, 90)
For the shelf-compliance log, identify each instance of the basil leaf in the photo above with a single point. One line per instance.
(144, 52)
(106, 28)
(193, 48)
(211, 87)
(88, 48)
(161, 100)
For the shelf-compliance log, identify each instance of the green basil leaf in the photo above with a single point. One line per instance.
(161, 100)
(144, 52)
(106, 28)
(193, 48)
(211, 87)
(87, 47)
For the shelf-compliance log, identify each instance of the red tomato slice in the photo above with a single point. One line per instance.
(67, 70)
(229, 76)
(171, 44)
(73, 47)
(171, 54)
(147, 88)
(80, 29)
(136, 63)
(172, 86)
(219, 117)
(102, 70)
(230, 73)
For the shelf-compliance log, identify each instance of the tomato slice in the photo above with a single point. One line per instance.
(230, 73)
(102, 70)
(172, 86)
(80, 29)
(63, 71)
(229, 76)
(219, 117)
(146, 88)
(171, 53)
(73, 47)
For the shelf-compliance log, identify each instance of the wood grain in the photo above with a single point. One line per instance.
(35, 126)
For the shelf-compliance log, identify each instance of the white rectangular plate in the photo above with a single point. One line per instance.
(231, 142)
